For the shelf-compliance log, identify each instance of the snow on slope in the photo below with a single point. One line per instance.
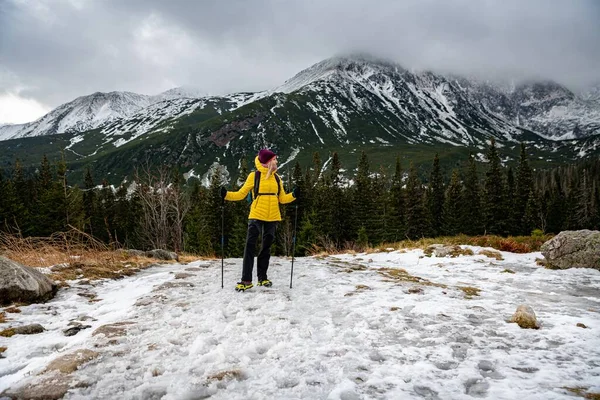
(447, 106)
(347, 330)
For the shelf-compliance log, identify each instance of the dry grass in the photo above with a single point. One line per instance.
(75, 254)
(507, 271)
(2, 317)
(491, 254)
(358, 289)
(12, 310)
(400, 275)
(470, 291)
(582, 392)
(2, 349)
(513, 244)
(7, 332)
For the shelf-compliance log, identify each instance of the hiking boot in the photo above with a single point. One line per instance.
(265, 282)
(242, 286)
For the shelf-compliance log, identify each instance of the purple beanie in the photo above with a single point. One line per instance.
(265, 155)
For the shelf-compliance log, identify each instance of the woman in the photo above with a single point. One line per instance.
(267, 193)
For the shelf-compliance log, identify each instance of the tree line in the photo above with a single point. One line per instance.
(158, 210)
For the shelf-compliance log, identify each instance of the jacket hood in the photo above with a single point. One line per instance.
(259, 166)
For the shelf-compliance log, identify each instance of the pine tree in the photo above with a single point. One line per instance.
(572, 218)
(495, 194)
(377, 224)
(195, 240)
(587, 211)
(21, 203)
(121, 219)
(397, 212)
(3, 207)
(45, 175)
(436, 198)
(211, 213)
(319, 200)
(531, 218)
(453, 206)
(337, 207)
(363, 196)
(106, 203)
(472, 216)
(524, 185)
(514, 223)
(92, 216)
(556, 207)
(416, 218)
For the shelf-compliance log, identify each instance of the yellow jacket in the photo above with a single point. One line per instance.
(264, 208)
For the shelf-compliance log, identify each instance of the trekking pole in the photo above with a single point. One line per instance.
(222, 241)
(294, 245)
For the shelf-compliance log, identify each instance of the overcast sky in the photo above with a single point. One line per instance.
(52, 51)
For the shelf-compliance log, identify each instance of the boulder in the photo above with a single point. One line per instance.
(162, 255)
(19, 283)
(135, 253)
(525, 317)
(69, 363)
(22, 330)
(573, 249)
(55, 381)
(442, 250)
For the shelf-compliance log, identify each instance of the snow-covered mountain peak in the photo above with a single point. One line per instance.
(592, 93)
(188, 92)
(354, 66)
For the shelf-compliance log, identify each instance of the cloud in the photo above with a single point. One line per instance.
(70, 48)
(15, 109)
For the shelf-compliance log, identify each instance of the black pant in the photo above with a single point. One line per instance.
(255, 227)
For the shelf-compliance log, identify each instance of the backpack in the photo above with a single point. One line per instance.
(255, 193)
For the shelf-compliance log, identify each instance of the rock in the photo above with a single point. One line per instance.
(486, 366)
(113, 330)
(162, 255)
(525, 317)
(527, 370)
(75, 329)
(425, 392)
(183, 275)
(580, 325)
(23, 330)
(446, 365)
(53, 387)
(19, 283)
(70, 362)
(573, 249)
(415, 290)
(438, 250)
(476, 387)
(441, 250)
(135, 253)
(173, 285)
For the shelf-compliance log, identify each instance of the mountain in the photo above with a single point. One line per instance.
(592, 93)
(343, 104)
(82, 114)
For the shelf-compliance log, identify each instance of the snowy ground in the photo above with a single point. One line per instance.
(328, 337)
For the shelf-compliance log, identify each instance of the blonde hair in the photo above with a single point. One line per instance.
(268, 165)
